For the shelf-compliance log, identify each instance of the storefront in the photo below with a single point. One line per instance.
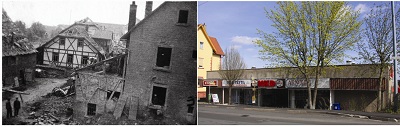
(298, 93)
(242, 91)
(272, 93)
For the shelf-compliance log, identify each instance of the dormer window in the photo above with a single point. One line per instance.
(183, 16)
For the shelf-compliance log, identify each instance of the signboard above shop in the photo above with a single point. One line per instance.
(210, 82)
(302, 83)
(238, 83)
(271, 83)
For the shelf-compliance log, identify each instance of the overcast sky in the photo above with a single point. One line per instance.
(54, 12)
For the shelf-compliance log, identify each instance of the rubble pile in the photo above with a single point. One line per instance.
(51, 110)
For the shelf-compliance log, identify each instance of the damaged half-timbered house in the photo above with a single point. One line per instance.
(83, 43)
(158, 77)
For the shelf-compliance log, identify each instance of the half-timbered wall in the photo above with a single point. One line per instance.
(69, 47)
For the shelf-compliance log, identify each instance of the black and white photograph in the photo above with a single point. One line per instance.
(99, 62)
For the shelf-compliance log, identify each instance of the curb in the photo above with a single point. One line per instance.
(383, 118)
(258, 109)
(364, 117)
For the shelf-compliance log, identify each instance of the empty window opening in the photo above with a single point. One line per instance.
(194, 54)
(163, 57)
(201, 45)
(116, 94)
(158, 96)
(70, 58)
(80, 42)
(62, 41)
(183, 16)
(190, 109)
(84, 60)
(91, 109)
(12, 60)
(55, 56)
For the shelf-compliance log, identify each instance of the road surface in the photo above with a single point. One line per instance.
(231, 115)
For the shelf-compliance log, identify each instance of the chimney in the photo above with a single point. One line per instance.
(149, 7)
(132, 15)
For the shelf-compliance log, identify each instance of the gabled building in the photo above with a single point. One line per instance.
(18, 55)
(209, 57)
(76, 44)
(160, 74)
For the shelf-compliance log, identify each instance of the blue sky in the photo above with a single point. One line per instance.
(236, 23)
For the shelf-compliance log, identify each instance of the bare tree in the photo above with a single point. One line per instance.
(232, 68)
(378, 46)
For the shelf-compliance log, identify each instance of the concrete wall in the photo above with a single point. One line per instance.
(160, 29)
(357, 100)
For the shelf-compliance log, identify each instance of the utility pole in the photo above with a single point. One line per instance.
(395, 98)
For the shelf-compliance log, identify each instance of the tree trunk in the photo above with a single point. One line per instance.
(309, 92)
(230, 94)
(315, 88)
(379, 101)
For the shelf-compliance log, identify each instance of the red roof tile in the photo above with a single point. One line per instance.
(218, 49)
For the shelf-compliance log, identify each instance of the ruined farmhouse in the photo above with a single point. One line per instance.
(18, 55)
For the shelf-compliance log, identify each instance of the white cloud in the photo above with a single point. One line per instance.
(243, 39)
(236, 47)
(250, 49)
(362, 8)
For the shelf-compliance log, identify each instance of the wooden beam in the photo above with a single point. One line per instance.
(101, 62)
(15, 91)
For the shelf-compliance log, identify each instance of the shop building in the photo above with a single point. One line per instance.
(353, 86)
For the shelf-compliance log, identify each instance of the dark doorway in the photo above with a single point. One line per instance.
(274, 97)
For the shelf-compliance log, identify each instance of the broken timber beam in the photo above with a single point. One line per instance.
(15, 91)
(100, 62)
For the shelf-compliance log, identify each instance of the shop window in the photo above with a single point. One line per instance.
(163, 57)
(183, 16)
(91, 109)
(55, 57)
(12, 60)
(158, 96)
(201, 45)
(84, 60)
(62, 41)
(70, 58)
(80, 42)
(116, 94)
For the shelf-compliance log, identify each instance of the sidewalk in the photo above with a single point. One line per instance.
(357, 114)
